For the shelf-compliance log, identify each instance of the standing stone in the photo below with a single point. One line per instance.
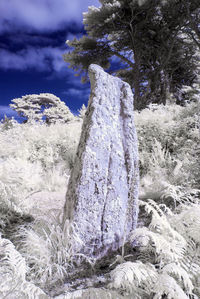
(102, 196)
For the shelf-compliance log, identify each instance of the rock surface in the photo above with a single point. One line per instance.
(102, 196)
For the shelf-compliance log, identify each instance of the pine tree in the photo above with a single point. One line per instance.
(145, 37)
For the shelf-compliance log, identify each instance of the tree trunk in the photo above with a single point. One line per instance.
(136, 82)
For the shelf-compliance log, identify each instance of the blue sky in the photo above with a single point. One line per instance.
(33, 38)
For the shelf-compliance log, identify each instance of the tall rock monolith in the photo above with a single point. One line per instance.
(102, 196)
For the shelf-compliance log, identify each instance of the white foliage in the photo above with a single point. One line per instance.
(178, 261)
(35, 107)
(179, 273)
(167, 285)
(59, 113)
(18, 171)
(93, 293)
(82, 111)
(36, 156)
(8, 199)
(192, 261)
(27, 107)
(165, 249)
(160, 237)
(129, 276)
(12, 259)
(188, 222)
(48, 248)
(159, 221)
(13, 270)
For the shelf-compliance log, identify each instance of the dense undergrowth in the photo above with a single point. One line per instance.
(165, 262)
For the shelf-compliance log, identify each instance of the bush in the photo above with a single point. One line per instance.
(169, 144)
(31, 153)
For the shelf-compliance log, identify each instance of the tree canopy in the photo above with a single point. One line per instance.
(44, 106)
(154, 42)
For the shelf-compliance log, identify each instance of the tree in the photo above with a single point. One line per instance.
(59, 113)
(146, 38)
(192, 27)
(7, 123)
(44, 106)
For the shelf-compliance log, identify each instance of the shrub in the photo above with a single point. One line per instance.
(169, 143)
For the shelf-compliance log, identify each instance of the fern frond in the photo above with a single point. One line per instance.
(130, 276)
(192, 259)
(12, 274)
(12, 259)
(160, 237)
(180, 274)
(166, 286)
(160, 222)
(180, 195)
(188, 222)
(151, 207)
(166, 249)
(158, 217)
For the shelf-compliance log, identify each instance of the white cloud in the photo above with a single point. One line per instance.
(77, 92)
(41, 15)
(41, 59)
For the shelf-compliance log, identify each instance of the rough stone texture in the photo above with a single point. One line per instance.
(102, 196)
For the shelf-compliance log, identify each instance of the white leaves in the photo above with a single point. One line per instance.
(36, 156)
(82, 111)
(175, 251)
(13, 270)
(172, 240)
(114, 4)
(167, 285)
(165, 249)
(45, 105)
(160, 237)
(11, 259)
(59, 113)
(182, 276)
(188, 222)
(93, 293)
(129, 276)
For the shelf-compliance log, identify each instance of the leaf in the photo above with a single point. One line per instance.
(129, 276)
(167, 285)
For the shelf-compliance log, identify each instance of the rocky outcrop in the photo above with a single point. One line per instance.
(102, 196)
